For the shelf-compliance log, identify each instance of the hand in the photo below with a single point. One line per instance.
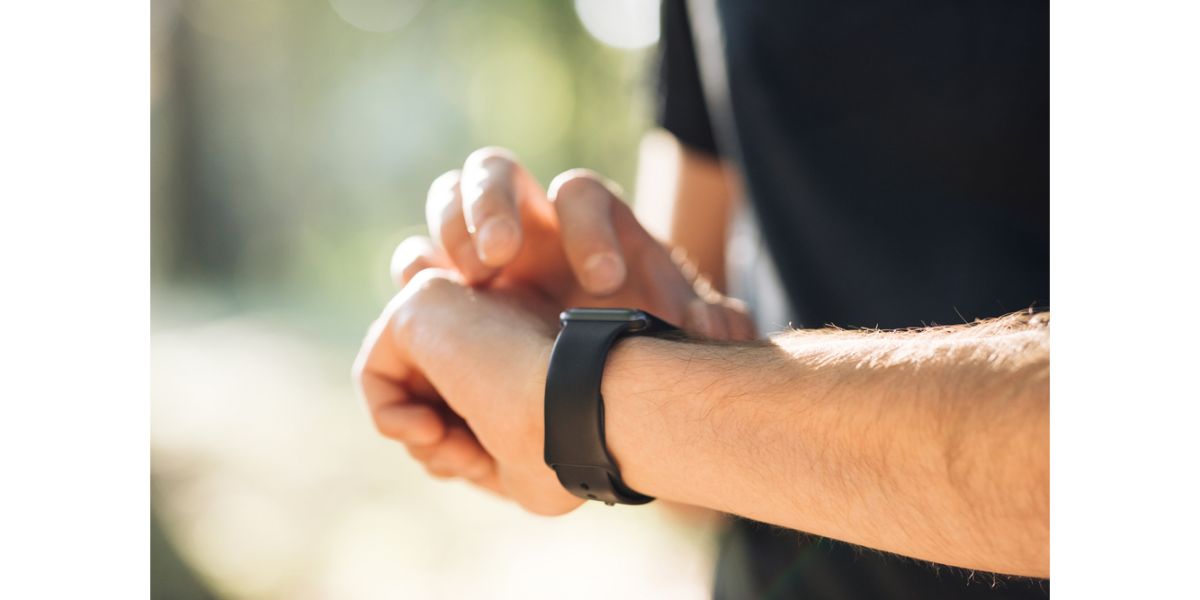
(578, 245)
(458, 375)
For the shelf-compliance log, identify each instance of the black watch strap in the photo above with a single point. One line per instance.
(575, 446)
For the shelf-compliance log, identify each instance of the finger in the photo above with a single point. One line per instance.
(412, 423)
(719, 325)
(669, 278)
(378, 388)
(378, 371)
(741, 326)
(448, 227)
(414, 255)
(395, 413)
(491, 483)
(697, 318)
(490, 186)
(420, 453)
(584, 203)
(385, 382)
(459, 454)
(530, 491)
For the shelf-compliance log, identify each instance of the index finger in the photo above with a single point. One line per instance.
(494, 188)
(585, 203)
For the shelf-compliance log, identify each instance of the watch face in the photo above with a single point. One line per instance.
(609, 315)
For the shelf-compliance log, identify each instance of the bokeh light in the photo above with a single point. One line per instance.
(377, 15)
(628, 24)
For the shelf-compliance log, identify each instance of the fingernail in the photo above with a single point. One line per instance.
(605, 272)
(496, 241)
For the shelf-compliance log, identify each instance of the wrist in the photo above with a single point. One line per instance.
(630, 396)
(662, 400)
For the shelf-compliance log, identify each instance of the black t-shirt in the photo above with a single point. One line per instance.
(897, 157)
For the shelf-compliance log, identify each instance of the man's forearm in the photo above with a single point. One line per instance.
(932, 444)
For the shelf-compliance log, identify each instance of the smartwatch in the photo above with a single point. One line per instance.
(575, 446)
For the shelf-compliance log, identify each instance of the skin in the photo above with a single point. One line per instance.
(687, 198)
(929, 443)
(576, 244)
(544, 256)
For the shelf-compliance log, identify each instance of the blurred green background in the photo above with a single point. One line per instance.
(291, 147)
(292, 144)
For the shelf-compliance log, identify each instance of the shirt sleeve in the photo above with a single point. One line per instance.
(681, 106)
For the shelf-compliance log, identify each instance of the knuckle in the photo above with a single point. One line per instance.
(439, 472)
(577, 183)
(582, 196)
(410, 269)
(411, 256)
(427, 289)
(382, 428)
(420, 454)
(477, 469)
(413, 246)
(441, 202)
(359, 369)
(446, 181)
(430, 285)
(486, 183)
(487, 197)
(449, 230)
(491, 158)
(442, 192)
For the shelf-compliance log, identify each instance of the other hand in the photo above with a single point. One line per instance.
(577, 245)
(458, 375)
